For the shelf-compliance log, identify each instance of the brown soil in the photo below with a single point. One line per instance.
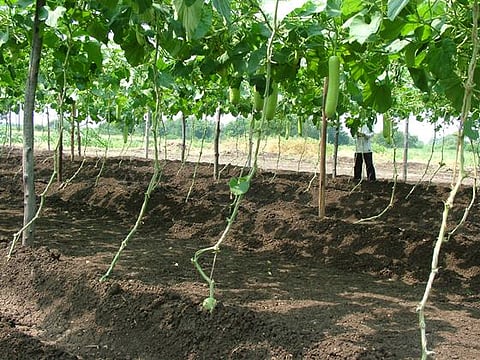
(289, 286)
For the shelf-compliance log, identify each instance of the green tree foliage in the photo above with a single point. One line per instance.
(398, 140)
(206, 47)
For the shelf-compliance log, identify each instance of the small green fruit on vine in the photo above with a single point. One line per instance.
(272, 103)
(234, 94)
(300, 126)
(387, 129)
(257, 101)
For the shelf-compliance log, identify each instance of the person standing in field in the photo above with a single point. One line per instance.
(363, 153)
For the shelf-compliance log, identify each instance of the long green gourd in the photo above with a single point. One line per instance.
(333, 86)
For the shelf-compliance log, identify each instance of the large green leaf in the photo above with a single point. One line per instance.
(334, 8)
(143, 5)
(360, 30)
(454, 90)
(310, 8)
(134, 52)
(350, 7)
(471, 128)
(94, 53)
(441, 59)
(189, 12)
(98, 30)
(378, 96)
(3, 38)
(204, 24)
(54, 16)
(24, 3)
(395, 7)
(420, 78)
(239, 186)
(256, 59)
(223, 7)
(6, 78)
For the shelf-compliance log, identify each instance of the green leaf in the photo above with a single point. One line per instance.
(239, 186)
(255, 60)
(396, 46)
(54, 15)
(166, 80)
(350, 7)
(454, 90)
(334, 8)
(469, 129)
(204, 24)
(3, 38)
(134, 53)
(378, 96)
(223, 7)
(394, 8)
(420, 79)
(94, 53)
(5, 78)
(441, 59)
(98, 30)
(360, 30)
(189, 12)
(24, 3)
(143, 5)
(310, 8)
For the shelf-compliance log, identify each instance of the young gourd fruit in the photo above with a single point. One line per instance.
(300, 127)
(234, 95)
(118, 113)
(271, 103)
(387, 129)
(257, 101)
(333, 86)
(125, 133)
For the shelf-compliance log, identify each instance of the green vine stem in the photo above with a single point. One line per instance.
(19, 233)
(432, 151)
(151, 186)
(469, 85)
(210, 302)
(277, 166)
(194, 176)
(69, 180)
(472, 200)
(156, 173)
(302, 154)
(43, 195)
(189, 148)
(105, 154)
(441, 163)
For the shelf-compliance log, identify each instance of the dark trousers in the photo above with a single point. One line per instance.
(357, 170)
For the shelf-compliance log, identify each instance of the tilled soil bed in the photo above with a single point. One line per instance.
(288, 285)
